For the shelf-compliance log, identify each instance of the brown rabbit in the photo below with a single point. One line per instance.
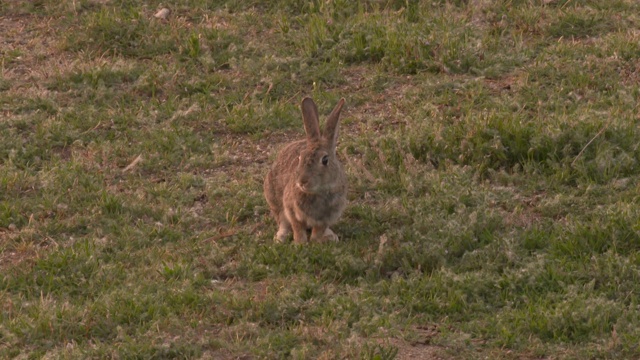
(307, 188)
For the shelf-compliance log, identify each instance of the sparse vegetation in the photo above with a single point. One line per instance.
(491, 146)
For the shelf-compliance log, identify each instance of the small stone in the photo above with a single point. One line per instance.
(12, 227)
(162, 14)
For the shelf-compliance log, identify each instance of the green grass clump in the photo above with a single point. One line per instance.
(491, 150)
(125, 32)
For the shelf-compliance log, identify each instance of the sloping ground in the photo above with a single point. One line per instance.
(491, 149)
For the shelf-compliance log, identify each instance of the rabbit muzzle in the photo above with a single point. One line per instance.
(303, 185)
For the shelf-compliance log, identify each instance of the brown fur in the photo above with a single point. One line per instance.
(301, 191)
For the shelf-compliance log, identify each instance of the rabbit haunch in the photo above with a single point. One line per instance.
(306, 187)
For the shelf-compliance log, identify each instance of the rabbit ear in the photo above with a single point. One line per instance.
(331, 128)
(310, 118)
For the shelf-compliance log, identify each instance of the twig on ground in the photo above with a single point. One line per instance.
(135, 162)
(221, 236)
(590, 141)
(380, 253)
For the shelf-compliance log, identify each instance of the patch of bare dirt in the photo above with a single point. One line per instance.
(29, 48)
(420, 346)
(22, 244)
(418, 351)
(33, 54)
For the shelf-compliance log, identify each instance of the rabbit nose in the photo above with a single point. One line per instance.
(303, 183)
(301, 186)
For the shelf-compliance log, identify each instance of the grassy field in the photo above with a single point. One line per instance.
(492, 149)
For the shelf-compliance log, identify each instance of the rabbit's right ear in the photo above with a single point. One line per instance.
(310, 118)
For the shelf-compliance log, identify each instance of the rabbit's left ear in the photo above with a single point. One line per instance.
(331, 128)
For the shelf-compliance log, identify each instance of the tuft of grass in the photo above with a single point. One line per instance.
(581, 25)
(121, 32)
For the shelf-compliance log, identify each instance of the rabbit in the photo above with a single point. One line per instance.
(306, 187)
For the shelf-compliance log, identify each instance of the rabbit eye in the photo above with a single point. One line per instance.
(325, 160)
